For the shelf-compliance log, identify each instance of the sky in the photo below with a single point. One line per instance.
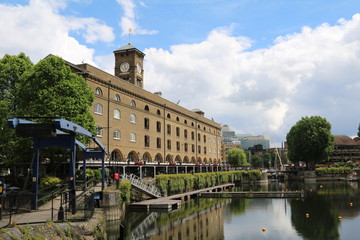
(258, 66)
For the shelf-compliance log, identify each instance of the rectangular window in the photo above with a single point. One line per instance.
(177, 131)
(158, 126)
(192, 135)
(185, 133)
(158, 142)
(147, 141)
(169, 144)
(146, 123)
(185, 147)
(168, 129)
(132, 137)
(177, 146)
(99, 131)
(192, 148)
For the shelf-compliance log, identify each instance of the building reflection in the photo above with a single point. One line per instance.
(199, 219)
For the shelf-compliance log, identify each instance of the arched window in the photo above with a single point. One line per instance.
(115, 156)
(158, 112)
(132, 103)
(146, 108)
(169, 116)
(177, 119)
(98, 91)
(117, 114)
(98, 108)
(117, 98)
(185, 121)
(116, 134)
(132, 118)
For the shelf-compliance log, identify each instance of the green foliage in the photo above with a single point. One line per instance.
(12, 69)
(332, 170)
(49, 181)
(124, 191)
(52, 90)
(176, 183)
(310, 140)
(349, 164)
(237, 157)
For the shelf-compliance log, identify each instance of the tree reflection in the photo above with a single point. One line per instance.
(322, 223)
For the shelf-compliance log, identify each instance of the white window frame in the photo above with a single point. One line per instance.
(116, 134)
(132, 137)
(98, 109)
(98, 91)
(117, 113)
(132, 118)
(133, 103)
(99, 131)
(117, 97)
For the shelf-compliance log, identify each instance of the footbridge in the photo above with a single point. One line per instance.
(146, 188)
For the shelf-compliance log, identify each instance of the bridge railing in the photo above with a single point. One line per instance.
(147, 187)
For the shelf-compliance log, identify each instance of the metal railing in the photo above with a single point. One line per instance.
(148, 188)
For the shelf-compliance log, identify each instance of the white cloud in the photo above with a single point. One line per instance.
(314, 72)
(128, 21)
(38, 29)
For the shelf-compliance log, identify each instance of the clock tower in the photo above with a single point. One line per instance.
(129, 65)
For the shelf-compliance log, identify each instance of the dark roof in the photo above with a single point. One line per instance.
(344, 140)
(127, 48)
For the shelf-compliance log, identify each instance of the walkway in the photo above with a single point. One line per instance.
(46, 212)
(174, 201)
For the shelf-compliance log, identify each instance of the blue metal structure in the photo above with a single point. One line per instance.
(60, 133)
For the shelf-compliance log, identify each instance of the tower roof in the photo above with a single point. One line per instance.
(127, 48)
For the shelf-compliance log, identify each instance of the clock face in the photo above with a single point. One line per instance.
(124, 67)
(138, 67)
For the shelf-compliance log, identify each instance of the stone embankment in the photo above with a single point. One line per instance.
(95, 228)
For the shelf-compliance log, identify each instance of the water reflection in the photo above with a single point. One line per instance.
(247, 218)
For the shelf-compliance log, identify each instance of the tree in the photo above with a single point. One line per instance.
(12, 69)
(52, 90)
(47, 89)
(310, 140)
(237, 157)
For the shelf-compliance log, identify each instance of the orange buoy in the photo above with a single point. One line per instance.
(263, 229)
(307, 215)
(321, 186)
(339, 217)
(351, 204)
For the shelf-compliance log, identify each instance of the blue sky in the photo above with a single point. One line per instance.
(256, 65)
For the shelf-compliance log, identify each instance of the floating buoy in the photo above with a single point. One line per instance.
(321, 186)
(307, 215)
(263, 229)
(351, 204)
(339, 217)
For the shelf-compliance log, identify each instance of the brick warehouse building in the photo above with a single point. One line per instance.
(137, 126)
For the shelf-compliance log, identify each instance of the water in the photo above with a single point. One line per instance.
(329, 211)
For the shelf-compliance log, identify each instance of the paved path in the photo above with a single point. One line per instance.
(45, 213)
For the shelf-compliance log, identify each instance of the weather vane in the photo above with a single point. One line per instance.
(130, 31)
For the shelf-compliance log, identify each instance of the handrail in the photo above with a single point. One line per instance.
(147, 187)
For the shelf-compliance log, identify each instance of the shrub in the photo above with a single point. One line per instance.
(49, 181)
(124, 191)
